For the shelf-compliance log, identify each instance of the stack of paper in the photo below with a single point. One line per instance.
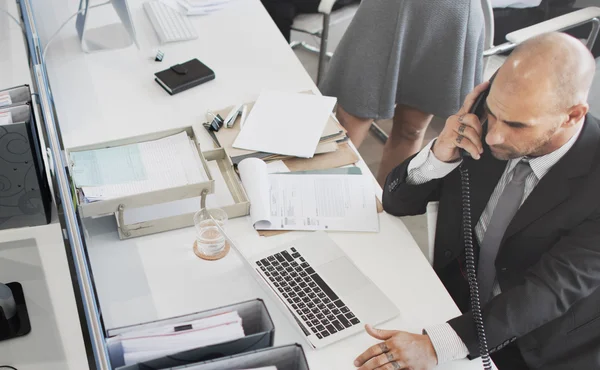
(5, 118)
(5, 99)
(137, 168)
(145, 345)
(340, 199)
(197, 7)
(286, 121)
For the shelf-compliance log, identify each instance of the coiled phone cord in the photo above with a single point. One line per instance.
(470, 264)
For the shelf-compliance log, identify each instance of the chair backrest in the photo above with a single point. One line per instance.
(594, 99)
(432, 215)
(488, 16)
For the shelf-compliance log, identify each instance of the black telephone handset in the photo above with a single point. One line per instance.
(478, 109)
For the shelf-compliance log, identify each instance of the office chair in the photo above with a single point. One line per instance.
(318, 25)
(493, 60)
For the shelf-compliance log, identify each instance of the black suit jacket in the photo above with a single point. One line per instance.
(548, 264)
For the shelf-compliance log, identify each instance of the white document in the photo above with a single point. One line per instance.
(333, 202)
(138, 168)
(220, 198)
(144, 345)
(5, 99)
(5, 118)
(285, 123)
(277, 167)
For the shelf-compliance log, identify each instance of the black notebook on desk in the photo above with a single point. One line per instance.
(184, 76)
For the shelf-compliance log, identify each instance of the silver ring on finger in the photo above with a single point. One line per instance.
(396, 365)
(389, 356)
(461, 118)
(459, 138)
(384, 348)
(461, 129)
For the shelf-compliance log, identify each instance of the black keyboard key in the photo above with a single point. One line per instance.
(325, 334)
(268, 274)
(294, 274)
(280, 289)
(319, 336)
(301, 305)
(307, 290)
(271, 258)
(285, 264)
(305, 265)
(331, 329)
(337, 325)
(306, 311)
(299, 313)
(355, 321)
(263, 268)
(297, 300)
(320, 327)
(270, 268)
(310, 316)
(322, 295)
(336, 311)
(350, 315)
(312, 284)
(306, 300)
(287, 256)
(330, 317)
(340, 304)
(331, 306)
(325, 322)
(290, 301)
(326, 301)
(296, 255)
(280, 268)
(294, 249)
(315, 322)
(294, 306)
(289, 269)
(293, 283)
(260, 262)
(303, 285)
(320, 316)
(315, 310)
(311, 271)
(285, 295)
(288, 289)
(326, 312)
(279, 257)
(301, 294)
(313, 329)
(311, 305)
(312, 295)
(276, 285)
(293, 294)
(344, 321)
(345, 309)
(304, 275)
(321, 306)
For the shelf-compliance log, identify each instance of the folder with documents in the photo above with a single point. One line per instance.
(319, 200)
(297, 135)
(258, 333)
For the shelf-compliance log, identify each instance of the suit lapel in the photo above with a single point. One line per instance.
(554, 188)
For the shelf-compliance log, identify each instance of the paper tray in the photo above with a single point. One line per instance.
(289, 357)
(117, 206)
(256, 320)
(18, 95)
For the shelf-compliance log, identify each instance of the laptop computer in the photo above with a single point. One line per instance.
(327, 295)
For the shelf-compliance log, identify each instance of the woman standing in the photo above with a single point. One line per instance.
(406, 59)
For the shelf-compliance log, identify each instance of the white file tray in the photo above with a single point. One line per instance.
(117, 206)
(18, 95)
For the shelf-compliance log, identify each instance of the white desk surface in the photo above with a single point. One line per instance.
(35, 256)
(110, 95)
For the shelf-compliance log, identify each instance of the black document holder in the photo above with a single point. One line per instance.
(25, 198)
(290, 357)
(256, 320)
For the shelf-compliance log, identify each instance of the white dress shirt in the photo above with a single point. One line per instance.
(425, 167)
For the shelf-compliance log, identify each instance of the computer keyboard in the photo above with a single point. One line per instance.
(169, 24)
(314, 301)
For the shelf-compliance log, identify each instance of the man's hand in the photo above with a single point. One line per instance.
(400, 350)
(462, 130)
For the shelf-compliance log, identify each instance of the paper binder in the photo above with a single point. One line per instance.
(256, 320)
(117, 206)
(289, 357)
(25, 198)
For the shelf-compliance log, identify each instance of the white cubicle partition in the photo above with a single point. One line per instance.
(111, 95)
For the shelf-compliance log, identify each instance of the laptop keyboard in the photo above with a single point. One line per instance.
(314, 301)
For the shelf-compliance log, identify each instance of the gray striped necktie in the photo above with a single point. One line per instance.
(506, 208)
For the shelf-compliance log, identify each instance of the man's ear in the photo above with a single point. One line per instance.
(575, 114)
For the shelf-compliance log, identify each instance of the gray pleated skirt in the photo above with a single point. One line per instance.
(427, 54)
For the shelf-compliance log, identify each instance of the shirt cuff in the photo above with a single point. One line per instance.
(447, 344)
(425, 167)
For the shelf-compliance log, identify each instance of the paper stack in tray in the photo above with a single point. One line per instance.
(298, 128)
(137, 168)
(197, 7)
